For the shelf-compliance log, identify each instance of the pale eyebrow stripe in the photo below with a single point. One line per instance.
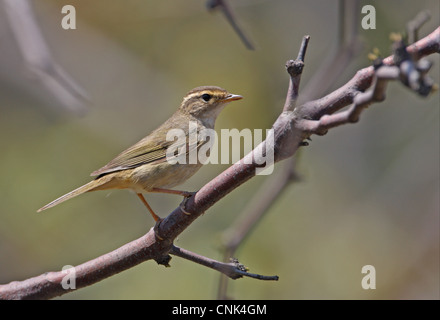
(198, 94)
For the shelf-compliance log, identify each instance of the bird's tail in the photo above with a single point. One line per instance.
(92, 185)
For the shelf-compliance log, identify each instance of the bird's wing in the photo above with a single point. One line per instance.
(146, 151)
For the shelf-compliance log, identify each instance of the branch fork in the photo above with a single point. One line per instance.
(293, 126)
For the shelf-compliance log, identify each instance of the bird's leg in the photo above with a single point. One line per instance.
(153, 214)
(185, 194)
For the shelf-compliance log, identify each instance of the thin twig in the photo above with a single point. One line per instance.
(348, 46)
(233, 270)
(248, 219)
(229, 15)
(406, 70)
(294, 69)
(414, 25)
(38, 58)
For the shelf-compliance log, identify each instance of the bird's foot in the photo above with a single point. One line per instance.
(186, 195)
(157, 231)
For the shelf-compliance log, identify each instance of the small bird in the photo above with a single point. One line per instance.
(144, 167)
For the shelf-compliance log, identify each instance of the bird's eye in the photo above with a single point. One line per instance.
(206, 97)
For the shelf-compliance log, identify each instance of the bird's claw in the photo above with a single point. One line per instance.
(187, 195)
(156, 230)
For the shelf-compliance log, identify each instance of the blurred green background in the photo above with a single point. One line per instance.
(369, 193)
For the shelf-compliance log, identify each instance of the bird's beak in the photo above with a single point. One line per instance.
(232, 97)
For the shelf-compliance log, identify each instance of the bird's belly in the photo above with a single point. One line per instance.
(161, 175)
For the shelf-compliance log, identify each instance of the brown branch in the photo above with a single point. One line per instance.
(414, 25)
(272, 188)
(233, 270)
(294, 69)
(319, 116)
(38, 59)
(230, 17)
(289, 132)
(49, 284)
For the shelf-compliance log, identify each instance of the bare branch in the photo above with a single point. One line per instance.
(49, 284)
(294, 69)
(229, 15)
(38, 58)
(290, 130)
(414, 26)
(233, 270)
(248, 219)
(406, 70)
